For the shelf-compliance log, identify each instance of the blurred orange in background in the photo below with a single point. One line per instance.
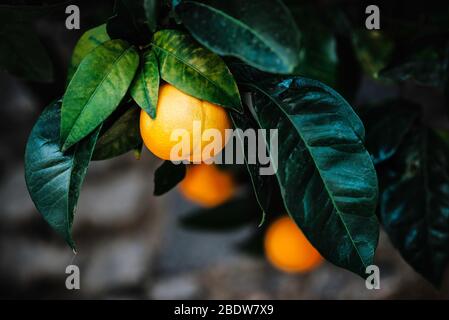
(287, 249)
(207, 186)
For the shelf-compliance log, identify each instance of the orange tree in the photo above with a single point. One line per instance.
(250, 58)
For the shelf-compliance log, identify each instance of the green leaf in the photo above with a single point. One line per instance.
(195, 70)
(260, 32)
(415, 203)
(22, 53)
(145, 88)
(326, 176)
(122, 136)
(386, 127)
(151, 12)
(226, 217)
(54, 178)
(98, 86)
(89, 40)
(167, 176)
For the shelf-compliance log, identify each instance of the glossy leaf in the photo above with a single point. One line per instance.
(88, 41)
(54, 178)
(22, 53)
(226, 217)
(415, 203)
(145, 88)
(386, 127)
(98, 86)
(326, 176)
(260, 32)
(121, 137)
(167, 176)
(195, 70)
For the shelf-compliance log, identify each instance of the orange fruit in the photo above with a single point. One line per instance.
(179, 112)
(206, 185)
(288, 249)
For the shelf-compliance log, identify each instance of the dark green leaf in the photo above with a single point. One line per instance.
(243, 72)
(130, 22)
(145, 88)
(167, 176)
(424, 63)
(415, 203)
(98, 86)
(195, 70)
(226, 217)
(89, 40)
(386, 126)
(260, 32)
(122, 136)
(326, 176)
(54, 178)
(151, 12)
(318, 56)
(22, 54)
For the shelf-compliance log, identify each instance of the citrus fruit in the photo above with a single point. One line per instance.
(206, 185)
(288, 249)
(179, 112)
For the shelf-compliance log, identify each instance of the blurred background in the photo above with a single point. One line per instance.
(134, 245)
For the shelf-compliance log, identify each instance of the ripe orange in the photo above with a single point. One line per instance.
(288, 249)
(206, 185)
(177, 110)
